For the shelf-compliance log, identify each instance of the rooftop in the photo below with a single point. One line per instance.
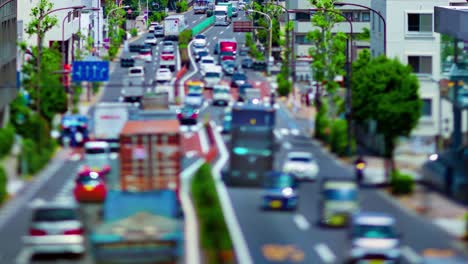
(150, 127)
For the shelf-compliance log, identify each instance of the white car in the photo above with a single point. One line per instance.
(136, 71)
(163, 75)
(199, 41)
(302, 165)
(145, 54)
(168, 45)
(151, 39)
(205, 62)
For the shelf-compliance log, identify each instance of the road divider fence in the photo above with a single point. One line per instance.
(203, 25)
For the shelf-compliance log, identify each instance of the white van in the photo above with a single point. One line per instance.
(213, 76)
(222, 94)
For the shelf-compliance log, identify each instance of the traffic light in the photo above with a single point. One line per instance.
(66, 77)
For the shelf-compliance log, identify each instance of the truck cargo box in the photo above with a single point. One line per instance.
(150, 155)
(155, 101)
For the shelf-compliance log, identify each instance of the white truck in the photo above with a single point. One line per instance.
(173, 25)
(213, 75)
(108, 120)
(222, 15)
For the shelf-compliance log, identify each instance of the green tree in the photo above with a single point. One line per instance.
(3, 184)
(328, 49)
(386, 91)
(116, 33)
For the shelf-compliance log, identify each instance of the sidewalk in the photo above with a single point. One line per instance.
(430, 204)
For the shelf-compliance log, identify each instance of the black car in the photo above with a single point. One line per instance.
(242, 89)
(247, 63)
(238, 79)
(127, 62)
(228, 66)
(201, 54)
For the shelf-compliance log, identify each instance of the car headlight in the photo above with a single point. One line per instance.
(357, 252)
(287, 192)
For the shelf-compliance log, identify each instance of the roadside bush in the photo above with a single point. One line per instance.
(401, 183)
(284, 85)
(134, 32)
(7, 138)
(322, 124)
(181, 6)
(3, 184)
(215, 239)
(184, 37)
(34, 156)
(339, 137)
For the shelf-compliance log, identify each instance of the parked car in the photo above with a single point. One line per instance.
(90, 187)
(374, 238)
(338, 201)
(151, 39)
(55, 227)
(280, 191)
(247, 63)
(158, 31)
(302, 165)
(188, 115)
(163, 75)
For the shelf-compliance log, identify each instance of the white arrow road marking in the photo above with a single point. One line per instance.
(325, 253)
(411, 255)
(301, 222)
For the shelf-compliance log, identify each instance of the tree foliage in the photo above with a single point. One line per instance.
(385, 90)
(38, 25)
(328, 49)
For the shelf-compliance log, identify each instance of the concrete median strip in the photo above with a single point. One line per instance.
(240, 246)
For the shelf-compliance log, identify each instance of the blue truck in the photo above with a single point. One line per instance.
(252, 144)
(139, 227)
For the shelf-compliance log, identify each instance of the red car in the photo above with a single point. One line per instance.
(90, 188)
(85, 170)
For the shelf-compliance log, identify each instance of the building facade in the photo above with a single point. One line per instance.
(411, 39)
(8, 78)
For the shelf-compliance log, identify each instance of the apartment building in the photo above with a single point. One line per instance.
(411, 39)
(359, 16)
(8, 82)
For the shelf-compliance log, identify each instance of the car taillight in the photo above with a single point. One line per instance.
(180, 116)
(78, 231)
(194, 115)
(37, 232)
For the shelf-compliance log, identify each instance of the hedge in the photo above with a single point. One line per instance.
(339, 137)
(401, 183)
(7, 138)
(134, 32)
(35, 157)
(215, 239)
(322, 124)
(3, 184)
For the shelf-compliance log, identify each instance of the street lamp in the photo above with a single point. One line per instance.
(7, 2)
(376, 12)
(349, 60)
(110, 12)
(269, 37)
(39, 46)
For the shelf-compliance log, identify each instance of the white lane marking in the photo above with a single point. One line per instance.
(205, 147)
(277, 134)
(301, 222)
(75, 157)
(325, 253)
(221, 32)
(24, 256)
(287, 145)
(240, 245)
(214, 37)
(284, 131)
(295, 132)
(410, 255)
(193, 22)
(191, 153)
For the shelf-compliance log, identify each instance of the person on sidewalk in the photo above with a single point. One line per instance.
(359, 166)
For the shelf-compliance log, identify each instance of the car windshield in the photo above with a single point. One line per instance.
(212, 75)
(200, 37)
(228, 63)
(95, 150)
(136, 71)
(340, 195)
(202, 53)
(220, 13)
(194, 89)
(239, 76)
(374, 231)
(54, 215)
(300, 159)
(150, 37)
(145, 51)
(87, 179)
(227, 53)
(208, 61)
(279, 181)
(166, 43)
(166, 52)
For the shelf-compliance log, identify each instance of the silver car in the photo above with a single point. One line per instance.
(374, 238)
(56, 227)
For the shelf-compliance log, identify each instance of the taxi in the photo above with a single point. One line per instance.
(339, 200)
(280, 191)
(194, 86)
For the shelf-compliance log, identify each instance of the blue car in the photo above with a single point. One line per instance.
(74, 130)
(280, 191)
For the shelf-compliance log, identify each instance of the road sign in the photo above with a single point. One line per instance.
(242, 26)
(91, 71)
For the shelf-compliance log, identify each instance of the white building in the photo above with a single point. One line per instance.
(411, 38)
(359, 16)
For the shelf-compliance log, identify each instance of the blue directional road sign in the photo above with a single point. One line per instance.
(90, 71)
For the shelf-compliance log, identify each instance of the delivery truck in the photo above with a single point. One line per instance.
(223, 14)
(173, 25)
(108, 120)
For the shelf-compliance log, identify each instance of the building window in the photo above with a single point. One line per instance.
(302, 17)
(426, 107)
(348, 14)
(421, 64)
(302, 39)
(365, 16)
(356, 16)
(420, 22)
